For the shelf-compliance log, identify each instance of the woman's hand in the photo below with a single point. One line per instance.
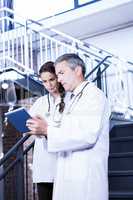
(37, 125)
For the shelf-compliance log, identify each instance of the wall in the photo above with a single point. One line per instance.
(119, 42)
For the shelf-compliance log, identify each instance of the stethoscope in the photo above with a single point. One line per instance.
(75, 99)
(48, 98)
(55, 117)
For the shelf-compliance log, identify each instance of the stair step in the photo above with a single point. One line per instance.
(120, 195)
(121, 144)
(121, 161)
(121, 155)
(126, 138)
(121, 183)
(122, 130)
(121, 173)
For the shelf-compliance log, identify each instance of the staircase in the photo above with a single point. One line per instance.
(121, 160)
(28, 45)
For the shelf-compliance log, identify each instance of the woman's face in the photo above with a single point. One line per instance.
(50, 82)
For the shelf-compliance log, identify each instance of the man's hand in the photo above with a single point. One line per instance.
(37, 125)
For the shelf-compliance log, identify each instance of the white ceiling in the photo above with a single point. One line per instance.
(90, 25)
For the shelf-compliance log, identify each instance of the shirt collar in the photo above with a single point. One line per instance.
(79, 87)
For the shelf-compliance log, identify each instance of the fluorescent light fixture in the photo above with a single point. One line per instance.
(4, 85)
(10, 75)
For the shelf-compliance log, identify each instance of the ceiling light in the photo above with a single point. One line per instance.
(4, 85)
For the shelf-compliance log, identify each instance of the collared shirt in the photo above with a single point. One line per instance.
(76, 95)
(79, 87)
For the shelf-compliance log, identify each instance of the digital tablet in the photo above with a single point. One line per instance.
(18, 119)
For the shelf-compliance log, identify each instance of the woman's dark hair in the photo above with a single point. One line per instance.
(49, 67)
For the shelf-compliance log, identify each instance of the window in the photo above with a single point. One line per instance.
(41, 8)
(79, 3)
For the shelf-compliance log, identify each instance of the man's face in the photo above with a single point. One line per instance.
(66, 75)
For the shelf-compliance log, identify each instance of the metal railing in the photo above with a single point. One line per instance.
(16, 161)
(28, 46)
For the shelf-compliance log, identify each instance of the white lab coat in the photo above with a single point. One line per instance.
(82, 143)
(44, 163)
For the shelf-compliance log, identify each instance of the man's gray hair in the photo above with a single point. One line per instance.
(73, 59)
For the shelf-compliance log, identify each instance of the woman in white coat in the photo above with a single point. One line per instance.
(49, 107)
(82, 138)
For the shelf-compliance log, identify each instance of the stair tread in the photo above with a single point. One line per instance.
(124, 138)
(120, 172)
(121, 194)
(125, 123)
(123, 154)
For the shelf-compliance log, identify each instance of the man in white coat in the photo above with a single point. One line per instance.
(82, 138)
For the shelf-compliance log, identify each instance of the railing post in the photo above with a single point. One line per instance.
(99, 83)
(20, 190)
(1, 186)
(26, 47)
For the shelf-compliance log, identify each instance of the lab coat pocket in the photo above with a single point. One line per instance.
(76, 166)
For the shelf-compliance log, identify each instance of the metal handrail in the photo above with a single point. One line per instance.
(82, 46)
(97, 66)
(13, 149)
(19, 164)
